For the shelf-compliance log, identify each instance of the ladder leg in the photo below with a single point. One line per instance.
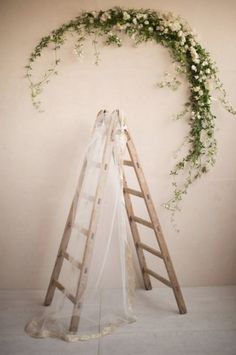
(59, 261)
(64, 242)
(173, 278)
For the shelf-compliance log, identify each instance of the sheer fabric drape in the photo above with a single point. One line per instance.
(108, 296)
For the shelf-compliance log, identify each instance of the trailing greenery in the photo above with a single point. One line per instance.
(191, 60)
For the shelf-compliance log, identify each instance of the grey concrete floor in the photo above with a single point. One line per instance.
(208, 328)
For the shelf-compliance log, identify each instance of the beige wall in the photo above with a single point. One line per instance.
(40, 153)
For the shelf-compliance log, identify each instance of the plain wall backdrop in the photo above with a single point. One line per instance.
(40, 153)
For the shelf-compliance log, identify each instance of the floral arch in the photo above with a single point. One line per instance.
(192, 62)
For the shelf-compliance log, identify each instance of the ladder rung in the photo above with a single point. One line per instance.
(151, 250)
(88, 197)
(128, 163)
(63, 289)
(96, 164)
(142, 221)
(158, 277)
(81, 230)
(133, 192)
(71, 259)
(84, 231)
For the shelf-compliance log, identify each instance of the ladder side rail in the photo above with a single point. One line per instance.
(107, 152)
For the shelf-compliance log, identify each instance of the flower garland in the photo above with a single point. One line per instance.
(191, 60)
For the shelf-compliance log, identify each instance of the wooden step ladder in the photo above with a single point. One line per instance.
(154, 224)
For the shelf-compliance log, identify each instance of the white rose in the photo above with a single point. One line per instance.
(105, 16)
(196, 89)
(175, 26)
(126, 16)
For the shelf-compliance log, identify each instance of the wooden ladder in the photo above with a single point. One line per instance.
(154, 224)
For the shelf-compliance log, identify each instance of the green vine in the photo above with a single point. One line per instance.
(191, 60)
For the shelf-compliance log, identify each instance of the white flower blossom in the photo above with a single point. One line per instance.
(146, 22)
(193, 67)
(126, 16)
(141, 16)
(105, 16)
(175, 26)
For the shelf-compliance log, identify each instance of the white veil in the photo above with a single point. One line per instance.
(107, 298)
